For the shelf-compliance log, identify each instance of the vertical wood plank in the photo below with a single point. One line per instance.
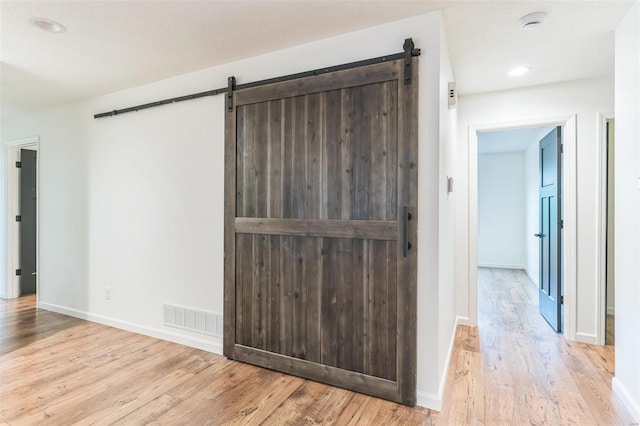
(260, 171)
(274, 159)
(248, 171)
(332, 121)
(299, 318)
(239, 281)
(346, 153)
(239, 154)
(313, 285)
(345, 304)
(288, 158)
(313, 194)
(391, 109)
(360, 186)
(392, 309)
(275, 294)
(230, 158)
(286, 305)
(407, 266)
(248, 296)
(358, 274)
(329, 321)
(366, 283)
(299, 175)
(377, 310)
(261, 266)
(377, 179)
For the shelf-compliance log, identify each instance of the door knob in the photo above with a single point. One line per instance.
(538, 235)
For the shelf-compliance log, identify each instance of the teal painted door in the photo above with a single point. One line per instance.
(28, 201)
(550, 300)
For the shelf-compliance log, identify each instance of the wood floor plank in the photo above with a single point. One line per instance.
(511, 370)
(467, 406)
(311, 404)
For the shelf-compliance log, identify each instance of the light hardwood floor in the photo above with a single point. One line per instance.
(512, 370)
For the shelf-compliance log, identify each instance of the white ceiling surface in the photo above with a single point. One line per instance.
(512, 140)
(113, 45)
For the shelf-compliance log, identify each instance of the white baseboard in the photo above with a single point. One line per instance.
(623, 393)
(611, 310)
(532, 277)
(452, 341)
(209, 344)
(586, 338)
(499, 266)
(430, 400)
(464, 321)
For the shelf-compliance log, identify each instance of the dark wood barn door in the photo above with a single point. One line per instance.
(320, 229)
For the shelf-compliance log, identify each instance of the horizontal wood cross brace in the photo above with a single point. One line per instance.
(363, 229)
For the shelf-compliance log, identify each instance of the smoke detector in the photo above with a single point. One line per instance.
(48, 25)
(532, 20)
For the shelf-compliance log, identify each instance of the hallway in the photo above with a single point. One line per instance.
(514, 369)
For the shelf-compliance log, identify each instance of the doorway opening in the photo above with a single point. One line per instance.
(607, 229)
(566, 244)
(22, 218)
(519, 218)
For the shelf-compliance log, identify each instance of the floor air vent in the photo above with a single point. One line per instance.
(193, 319)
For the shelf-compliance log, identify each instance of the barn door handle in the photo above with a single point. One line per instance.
(406, 245)
(538, 235)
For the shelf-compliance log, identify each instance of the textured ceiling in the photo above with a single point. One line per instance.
(112, 45)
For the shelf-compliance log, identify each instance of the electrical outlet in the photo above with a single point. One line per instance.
(107, 293)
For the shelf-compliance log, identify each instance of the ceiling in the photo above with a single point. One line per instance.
(512, 140)
(113, 45)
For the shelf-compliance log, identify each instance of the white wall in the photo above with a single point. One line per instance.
(586, 98)
(501, 210)
(445, 231)
(611, 223)
(627, 211)
(133, 202)
(532, 211)
(3, 221)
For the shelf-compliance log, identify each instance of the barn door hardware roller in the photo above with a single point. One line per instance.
(230, 86)
(409, 52)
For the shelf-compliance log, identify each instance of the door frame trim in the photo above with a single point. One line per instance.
(569, 248)
(601, 244)
(11, 284)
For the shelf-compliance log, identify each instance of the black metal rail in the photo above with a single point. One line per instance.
(409, 51)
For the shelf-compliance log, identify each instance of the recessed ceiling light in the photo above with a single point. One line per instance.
(514, 72)
(48, 25)
(532, 20)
